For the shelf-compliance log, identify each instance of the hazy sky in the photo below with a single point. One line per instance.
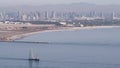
(42, 2)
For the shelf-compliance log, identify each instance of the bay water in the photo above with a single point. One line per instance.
(87, 48)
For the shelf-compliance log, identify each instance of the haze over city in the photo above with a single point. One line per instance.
(44, 2)
(59, 33)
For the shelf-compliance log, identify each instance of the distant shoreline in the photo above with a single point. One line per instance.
(15, 37)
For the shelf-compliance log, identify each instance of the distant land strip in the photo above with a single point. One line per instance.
(12, 32)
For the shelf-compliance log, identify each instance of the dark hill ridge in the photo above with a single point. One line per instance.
(83, 7)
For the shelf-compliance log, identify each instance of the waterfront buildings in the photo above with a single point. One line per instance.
(55, 16)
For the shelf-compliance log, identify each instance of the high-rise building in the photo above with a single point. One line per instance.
(53, 15)
(24, 17)
(46, 15)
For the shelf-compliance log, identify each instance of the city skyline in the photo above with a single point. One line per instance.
(49, 2)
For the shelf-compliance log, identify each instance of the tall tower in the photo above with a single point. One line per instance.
(18, 16)
(24, 17)
(46, 15)
(1, 16)
(113, 16)
(53, 15)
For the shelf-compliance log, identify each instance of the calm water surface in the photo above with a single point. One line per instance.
(95, 48)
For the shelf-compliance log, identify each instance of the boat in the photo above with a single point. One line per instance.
(32, 57)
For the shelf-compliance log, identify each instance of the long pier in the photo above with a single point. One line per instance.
(37, 42)
(59, 43)
(26, 42)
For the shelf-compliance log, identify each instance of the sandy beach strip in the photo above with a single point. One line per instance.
(19, 36)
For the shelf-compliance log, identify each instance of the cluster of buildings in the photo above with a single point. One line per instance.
(24, 16)
(56, 16)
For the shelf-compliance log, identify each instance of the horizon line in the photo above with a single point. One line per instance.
(82, 3)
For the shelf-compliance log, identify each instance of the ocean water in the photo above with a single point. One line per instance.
(91, 48)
